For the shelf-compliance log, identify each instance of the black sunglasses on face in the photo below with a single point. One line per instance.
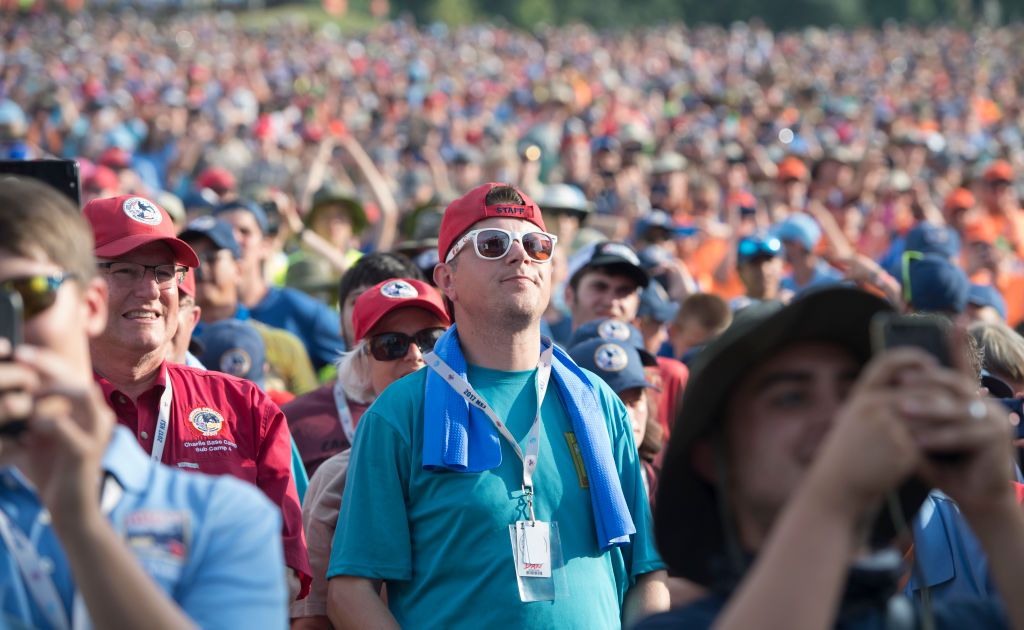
(393, 346)
(38, 292)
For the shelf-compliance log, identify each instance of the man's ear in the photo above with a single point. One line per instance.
(444, 280)
(94, 307)
(197, 314)
(570, 296)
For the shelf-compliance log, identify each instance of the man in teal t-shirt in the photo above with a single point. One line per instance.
(441, 539)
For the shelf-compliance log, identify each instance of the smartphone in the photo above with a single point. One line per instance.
(891, 330)
(10, 329)
(928, 332)
(61, 175)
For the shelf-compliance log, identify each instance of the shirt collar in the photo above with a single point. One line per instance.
(127, 462)
(109, 389)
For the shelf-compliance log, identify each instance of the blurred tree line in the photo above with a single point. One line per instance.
(779, 14)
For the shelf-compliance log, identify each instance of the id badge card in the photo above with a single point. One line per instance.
(537, 553)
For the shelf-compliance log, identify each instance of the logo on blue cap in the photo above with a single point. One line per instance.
(236, 362)
(613, 329)
(142, 210)
(611, 358)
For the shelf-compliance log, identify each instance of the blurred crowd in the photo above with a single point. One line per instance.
(727, 132)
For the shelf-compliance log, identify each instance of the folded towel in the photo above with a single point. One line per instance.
(463, 439)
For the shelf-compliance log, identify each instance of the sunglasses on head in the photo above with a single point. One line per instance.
(751, 248)
(495, 243)
(38, 292)
(393, 346)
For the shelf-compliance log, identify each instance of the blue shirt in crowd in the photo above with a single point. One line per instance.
(212, 544)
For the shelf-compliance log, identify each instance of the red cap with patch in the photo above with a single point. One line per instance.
(121, 224)
(390, 295)
(472, 207)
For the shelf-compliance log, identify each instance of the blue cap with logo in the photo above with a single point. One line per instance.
(234, 347)
(252, 208)
(929, 238)
(656, 304)
(613, 330)
(937, 285)
(616, 362)
(218, 231)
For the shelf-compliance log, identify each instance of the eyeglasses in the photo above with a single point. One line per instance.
(38, 293)
(495, 243)
(127, 274)
(393, 346)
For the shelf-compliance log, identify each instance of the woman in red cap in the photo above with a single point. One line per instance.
(394, 324)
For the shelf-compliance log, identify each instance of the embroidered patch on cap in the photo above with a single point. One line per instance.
(236, 362)
(207, 421)
(399, 290)
(611, 358)
(613, 329)
(142, 210)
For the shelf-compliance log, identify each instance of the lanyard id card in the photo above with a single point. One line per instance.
(537, 552)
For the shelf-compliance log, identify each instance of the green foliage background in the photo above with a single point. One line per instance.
(777, 14)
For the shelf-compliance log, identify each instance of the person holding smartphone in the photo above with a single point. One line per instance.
(794, 439)
(91, 529)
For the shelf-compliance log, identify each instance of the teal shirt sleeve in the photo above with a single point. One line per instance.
(372, 538)
(299, 472)
(642, 555)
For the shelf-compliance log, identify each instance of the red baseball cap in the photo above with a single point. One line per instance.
(961, 198)
(116, 158)
(121, 224)
(219, 180)
(396, 293)
(792, 168)
(999, 171)
(461, 214)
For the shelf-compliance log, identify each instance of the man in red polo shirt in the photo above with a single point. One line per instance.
(183, 417)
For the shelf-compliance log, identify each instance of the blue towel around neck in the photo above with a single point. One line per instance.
(463, 439)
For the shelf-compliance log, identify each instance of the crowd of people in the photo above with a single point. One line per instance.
(293, 361)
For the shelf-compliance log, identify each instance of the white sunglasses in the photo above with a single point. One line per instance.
(495, 243)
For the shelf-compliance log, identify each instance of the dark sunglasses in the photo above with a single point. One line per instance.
(393, 346)
(38, 293)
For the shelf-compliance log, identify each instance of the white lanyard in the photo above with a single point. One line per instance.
(529, 458)
(163, 421)
(344, 413)
(38, 579)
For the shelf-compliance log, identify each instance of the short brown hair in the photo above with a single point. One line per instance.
(36, 220)
(707, 309)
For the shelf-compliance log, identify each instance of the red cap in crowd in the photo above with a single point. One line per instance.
(101, 178)
(121, 224)
(999, 171)
(219, 180)
(378, 301)
(116, 158)
(959, 199)
(472, 207)
(792, 168)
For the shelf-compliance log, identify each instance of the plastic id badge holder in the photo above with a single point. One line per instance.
(537, 553)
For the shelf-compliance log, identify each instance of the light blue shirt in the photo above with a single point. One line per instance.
(213, 544)
(440, 538)
(949, 559)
